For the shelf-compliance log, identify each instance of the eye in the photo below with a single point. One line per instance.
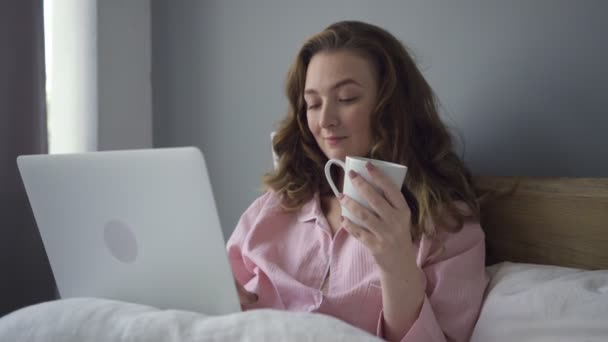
(348, 99)
(313, 106)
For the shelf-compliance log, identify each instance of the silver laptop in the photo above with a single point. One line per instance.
(138, 225)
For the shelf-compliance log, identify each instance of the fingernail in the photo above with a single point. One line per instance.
(352, 174)
(369, 166)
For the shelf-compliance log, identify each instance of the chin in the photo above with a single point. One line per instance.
(340, 153)
(337, 155)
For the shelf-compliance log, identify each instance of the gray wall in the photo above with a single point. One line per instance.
(521, 82)
(123, 74)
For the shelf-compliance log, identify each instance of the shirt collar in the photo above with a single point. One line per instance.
(311, 210)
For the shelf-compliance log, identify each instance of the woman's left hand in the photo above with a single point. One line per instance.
(387, 225)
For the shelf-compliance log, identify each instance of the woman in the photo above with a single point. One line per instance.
(417, 273)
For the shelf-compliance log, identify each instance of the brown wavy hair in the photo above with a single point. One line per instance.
(406, 129)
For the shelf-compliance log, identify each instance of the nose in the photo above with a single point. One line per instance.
(328, 116)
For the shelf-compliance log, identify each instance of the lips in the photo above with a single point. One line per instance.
(334, 140)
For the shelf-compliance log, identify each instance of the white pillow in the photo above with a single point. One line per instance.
(526, 302)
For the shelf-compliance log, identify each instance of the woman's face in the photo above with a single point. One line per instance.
(340, 94)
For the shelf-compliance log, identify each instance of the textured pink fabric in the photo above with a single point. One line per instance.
(283, 257)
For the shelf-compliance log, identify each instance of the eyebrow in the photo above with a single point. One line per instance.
(336, 86)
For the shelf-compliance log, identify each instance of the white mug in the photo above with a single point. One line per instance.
(395, 172)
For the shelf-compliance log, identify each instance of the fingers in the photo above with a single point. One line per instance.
(366, 217)
(360, 233)
(391, 191)
(376, 200)
(245, 297)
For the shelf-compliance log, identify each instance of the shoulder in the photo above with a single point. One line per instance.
(268, 201)
(263, 218)
(445, 244)
(260, 209)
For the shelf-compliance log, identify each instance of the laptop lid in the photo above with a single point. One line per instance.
(137, 225)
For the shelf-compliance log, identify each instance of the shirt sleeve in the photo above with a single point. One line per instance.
(242, 268)
(456, 281)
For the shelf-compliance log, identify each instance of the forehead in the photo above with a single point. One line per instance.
(328, 68)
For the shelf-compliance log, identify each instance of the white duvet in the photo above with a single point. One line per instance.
(89, 319)
(526, 302)
(523, 303)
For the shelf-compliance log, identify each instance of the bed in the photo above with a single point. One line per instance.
(547, 255)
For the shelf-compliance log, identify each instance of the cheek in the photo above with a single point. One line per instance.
(360, 122)
(364, 134)
(312, 126)
(360, 126)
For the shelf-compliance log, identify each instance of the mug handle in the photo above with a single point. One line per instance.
(328, 166)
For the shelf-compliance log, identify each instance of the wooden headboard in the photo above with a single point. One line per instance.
(554, 221)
